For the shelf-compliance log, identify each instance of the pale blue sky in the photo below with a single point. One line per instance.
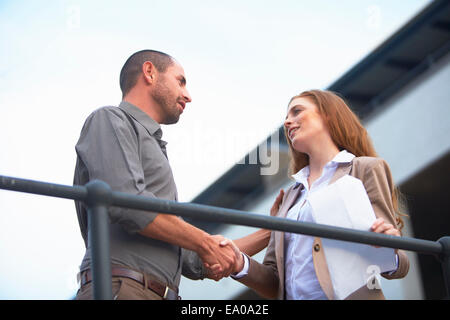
(243, 61)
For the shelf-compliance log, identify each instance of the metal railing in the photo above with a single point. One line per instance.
(98, 196)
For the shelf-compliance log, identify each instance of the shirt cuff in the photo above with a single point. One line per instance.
(244, 270)
(396, 263)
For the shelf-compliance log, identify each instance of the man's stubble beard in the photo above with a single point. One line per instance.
(168, 103)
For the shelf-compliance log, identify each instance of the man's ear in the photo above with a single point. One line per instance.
(149, 72)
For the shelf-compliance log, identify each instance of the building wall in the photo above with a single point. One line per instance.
(411, 132)
(413, 127)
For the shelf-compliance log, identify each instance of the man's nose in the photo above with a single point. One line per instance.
(187, 96)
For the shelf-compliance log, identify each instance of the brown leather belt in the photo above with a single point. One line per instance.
(160, 289)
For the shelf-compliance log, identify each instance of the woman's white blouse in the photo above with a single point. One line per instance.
(301, 281)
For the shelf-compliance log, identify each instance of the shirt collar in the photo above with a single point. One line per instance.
(342, 157)
(153, 127)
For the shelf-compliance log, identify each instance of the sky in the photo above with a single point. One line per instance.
(243, 61)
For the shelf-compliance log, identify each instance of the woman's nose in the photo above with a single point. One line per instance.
(287, 122)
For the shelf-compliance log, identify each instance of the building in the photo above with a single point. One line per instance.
(401, 92)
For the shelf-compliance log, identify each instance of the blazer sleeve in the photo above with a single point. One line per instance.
(379, 185)
(263, 278)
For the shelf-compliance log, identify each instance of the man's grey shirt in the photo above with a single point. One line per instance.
(122, 146)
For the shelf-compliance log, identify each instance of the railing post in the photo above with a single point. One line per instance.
(445, 261)
(98, 200)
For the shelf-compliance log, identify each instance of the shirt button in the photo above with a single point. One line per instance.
(317, 247)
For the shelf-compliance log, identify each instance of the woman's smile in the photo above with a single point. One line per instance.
(292, 132)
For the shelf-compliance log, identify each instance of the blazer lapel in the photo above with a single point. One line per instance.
(342, 170)
(290, 200)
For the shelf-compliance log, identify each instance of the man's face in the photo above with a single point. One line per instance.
(171, 94)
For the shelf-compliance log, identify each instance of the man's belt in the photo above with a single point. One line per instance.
(160, 289)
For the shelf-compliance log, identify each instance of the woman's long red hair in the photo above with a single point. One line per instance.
(345, 130)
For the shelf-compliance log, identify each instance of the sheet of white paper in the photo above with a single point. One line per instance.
(345, 203)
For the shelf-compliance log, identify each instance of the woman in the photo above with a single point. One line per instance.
(326, 141)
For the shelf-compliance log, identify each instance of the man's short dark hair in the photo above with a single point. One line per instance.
(133, 67)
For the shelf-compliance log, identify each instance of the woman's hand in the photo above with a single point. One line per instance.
(239, 265)
(380, 226)
(277, 203)
(215, 272)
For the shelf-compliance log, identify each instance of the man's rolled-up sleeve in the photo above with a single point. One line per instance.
(108, 147)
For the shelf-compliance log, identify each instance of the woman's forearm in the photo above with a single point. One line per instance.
(254, 242)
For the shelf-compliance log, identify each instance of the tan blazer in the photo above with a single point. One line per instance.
(268, 278)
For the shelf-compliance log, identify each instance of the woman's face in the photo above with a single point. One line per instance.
(304, 124)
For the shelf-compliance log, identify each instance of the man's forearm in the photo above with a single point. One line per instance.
(171, 229)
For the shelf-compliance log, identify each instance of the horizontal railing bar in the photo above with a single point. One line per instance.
(223, 215)
(231, 216)
(43, 188)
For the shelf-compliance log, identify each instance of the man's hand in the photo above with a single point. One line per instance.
(214, 271)
(219, 260)
(239, 264)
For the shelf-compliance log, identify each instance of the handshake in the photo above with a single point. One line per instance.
(221, 257)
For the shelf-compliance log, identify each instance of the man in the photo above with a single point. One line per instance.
(122, 146)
